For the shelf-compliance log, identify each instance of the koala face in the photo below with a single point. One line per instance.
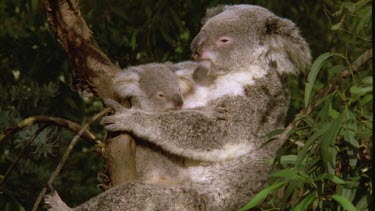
(160, 88)
(225, 38)
(235, 37)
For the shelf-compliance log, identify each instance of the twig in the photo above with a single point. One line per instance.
(11, 167)
(7, 133)
(66, 155)
(364, 58)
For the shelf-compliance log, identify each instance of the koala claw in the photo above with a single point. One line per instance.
(114, 105)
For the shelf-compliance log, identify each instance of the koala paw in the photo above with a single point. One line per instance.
(114, 105)
(126, 120)
(221, 113)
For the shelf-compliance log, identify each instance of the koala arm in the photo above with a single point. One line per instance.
(226, 128)
(199, 134)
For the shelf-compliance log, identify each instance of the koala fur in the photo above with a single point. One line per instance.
(244, 54)
(144, 84)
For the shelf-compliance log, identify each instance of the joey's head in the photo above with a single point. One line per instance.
(240, 36)
(151, 87)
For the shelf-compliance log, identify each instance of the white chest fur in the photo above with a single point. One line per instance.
(231, 84)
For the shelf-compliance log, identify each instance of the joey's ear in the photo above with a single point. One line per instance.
(211, 12)
(287, 51)
(126, 84)
(185, 81)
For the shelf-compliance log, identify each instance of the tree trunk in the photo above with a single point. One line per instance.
(95, 68)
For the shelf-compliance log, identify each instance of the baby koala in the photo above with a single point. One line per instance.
(155, 87)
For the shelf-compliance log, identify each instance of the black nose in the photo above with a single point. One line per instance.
(177, 100)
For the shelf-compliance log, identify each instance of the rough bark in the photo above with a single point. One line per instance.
(97, 71)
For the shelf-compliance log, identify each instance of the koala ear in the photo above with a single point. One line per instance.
(185, 81)
(126, 84)
(213, 12)
(287, 51)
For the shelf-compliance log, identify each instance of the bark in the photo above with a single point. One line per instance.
(97, 71)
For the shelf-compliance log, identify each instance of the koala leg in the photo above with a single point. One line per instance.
(140, 196)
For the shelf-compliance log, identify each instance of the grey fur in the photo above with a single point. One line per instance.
(142, 84)
(224, 165)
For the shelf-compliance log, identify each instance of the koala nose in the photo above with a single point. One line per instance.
(177, 100)
(197, 43)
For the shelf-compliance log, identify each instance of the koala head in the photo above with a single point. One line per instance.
(236, 37)
(150, 87)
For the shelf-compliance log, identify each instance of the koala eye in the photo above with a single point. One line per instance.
(224, 40)
(161, 95)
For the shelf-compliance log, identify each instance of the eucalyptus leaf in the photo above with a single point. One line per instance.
(344, 202)
(304, 204)
(261, 196)
(316, 66)
(368, 80)
(290, 174)
(327, 140)
(360, 90)
(331, 177)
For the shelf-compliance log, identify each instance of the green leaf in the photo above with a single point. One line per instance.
(336, 26)
(367, 99)
(302, 153)
(362, 204)
(331, 177)
(262, 195)
(350, 189)
(324, 112)
(315, 68)
(290, 174)
(288, 159)
(350, 128)
(360, 90)
(304, 204)
(368, 80)
(327, 140)
(360, 4)
(344, 202)
(274, 132)
(333, 113)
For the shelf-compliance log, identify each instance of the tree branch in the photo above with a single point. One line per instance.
(7, 133)
(67, 153)
(363, 59)
(76, 38)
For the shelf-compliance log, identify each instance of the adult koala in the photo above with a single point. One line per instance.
(245, 53)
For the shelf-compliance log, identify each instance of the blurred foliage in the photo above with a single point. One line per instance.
(36, 80)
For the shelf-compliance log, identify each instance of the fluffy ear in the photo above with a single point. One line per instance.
(126, 84)
(185, 81)
(287, 51)
(213, 12)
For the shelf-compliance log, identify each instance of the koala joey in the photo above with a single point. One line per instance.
(156, 87)
(244, 54)
(151, 87)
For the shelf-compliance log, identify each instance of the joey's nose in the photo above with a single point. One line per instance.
(177, 100)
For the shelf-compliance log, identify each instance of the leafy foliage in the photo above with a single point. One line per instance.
(326, 158)
(326, 164)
